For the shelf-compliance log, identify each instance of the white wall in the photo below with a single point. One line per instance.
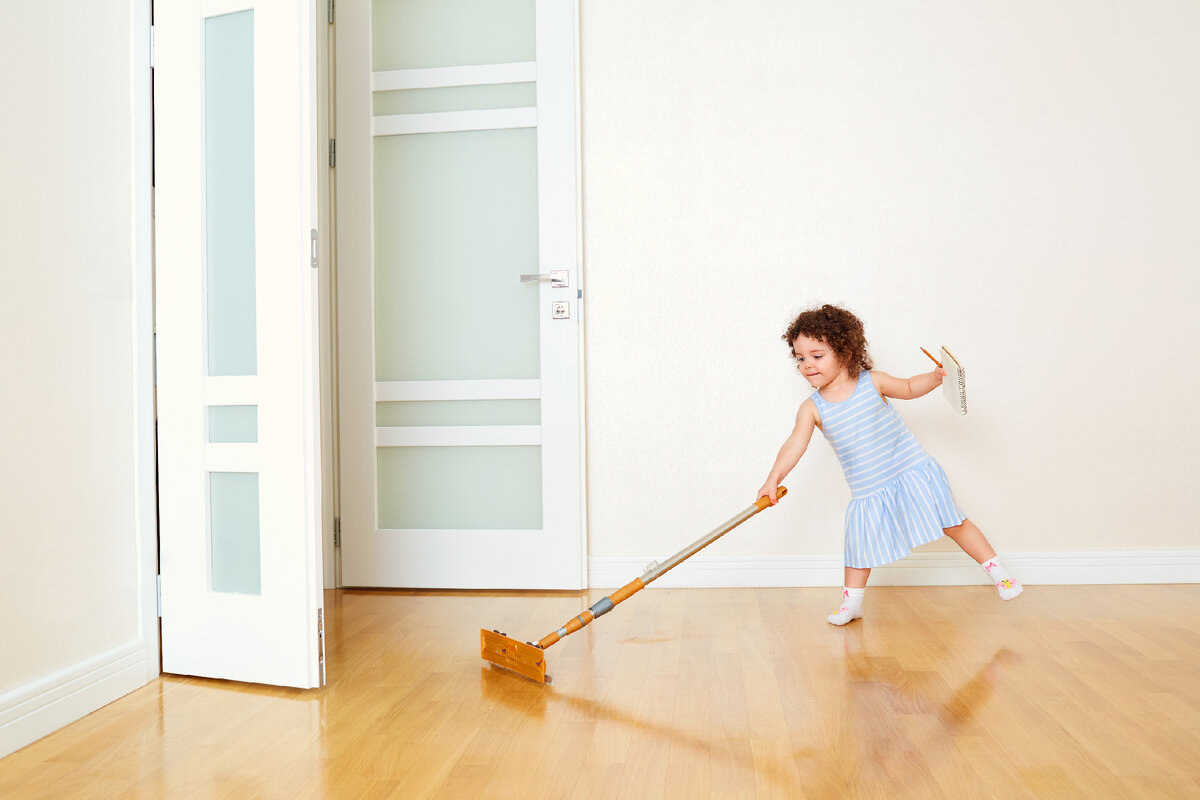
(74, 332)
(1014, 180)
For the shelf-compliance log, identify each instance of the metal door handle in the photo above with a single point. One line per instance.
(557, 278)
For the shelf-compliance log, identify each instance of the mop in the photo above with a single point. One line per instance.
(529, 658)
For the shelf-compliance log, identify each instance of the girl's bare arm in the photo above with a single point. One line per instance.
(791, 451)
(908, 388)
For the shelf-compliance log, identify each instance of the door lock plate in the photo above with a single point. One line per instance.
(560, 310)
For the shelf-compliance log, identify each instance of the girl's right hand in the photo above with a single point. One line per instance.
(770, 490)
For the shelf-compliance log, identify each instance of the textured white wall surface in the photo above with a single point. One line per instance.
(67, 464)
(1015, 181)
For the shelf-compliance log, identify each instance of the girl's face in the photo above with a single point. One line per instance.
(818, 363)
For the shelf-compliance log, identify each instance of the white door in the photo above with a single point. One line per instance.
(237, 369)
(459, 409)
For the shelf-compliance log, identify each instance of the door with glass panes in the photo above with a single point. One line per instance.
(237, 372)
(458, 294)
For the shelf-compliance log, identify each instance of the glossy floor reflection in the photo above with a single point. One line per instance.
(938, 692)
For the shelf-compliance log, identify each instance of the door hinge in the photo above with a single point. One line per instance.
(337, 531)
(158, 591)
(333, 153)
(330, 12)
(313, 239)
(321, 643)
(152, 45)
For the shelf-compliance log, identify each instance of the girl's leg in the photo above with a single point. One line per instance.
(856, 578)
(975, 544)
(852, 596)
(971, 540)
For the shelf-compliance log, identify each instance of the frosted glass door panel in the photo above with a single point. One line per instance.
(458, 412)
(456, 98)
(455, 227)
(490, 488)
(229, 193)
(233, 424)
(408, 34)
(235, 551)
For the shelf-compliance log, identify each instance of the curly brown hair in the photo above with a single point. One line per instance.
(836, 327)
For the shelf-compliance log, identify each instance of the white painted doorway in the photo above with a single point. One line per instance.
(237, 367)
(458, 286)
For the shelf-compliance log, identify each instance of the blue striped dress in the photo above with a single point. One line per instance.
(899, 496)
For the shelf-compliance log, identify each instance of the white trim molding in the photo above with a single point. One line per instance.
(446, 77)
(37, 709)
(918, 569)
(458, 435)
(402, 391)
(450, 121)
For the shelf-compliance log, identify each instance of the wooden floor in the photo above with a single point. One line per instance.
(1087, 692)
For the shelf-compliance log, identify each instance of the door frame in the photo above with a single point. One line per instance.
(145, 483)
(327, 295)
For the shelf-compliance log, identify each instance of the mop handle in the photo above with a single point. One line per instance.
(654, 572)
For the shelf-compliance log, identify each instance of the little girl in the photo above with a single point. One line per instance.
(899, 495)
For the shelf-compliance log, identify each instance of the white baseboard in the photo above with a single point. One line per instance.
(36, 709)
(918, 569)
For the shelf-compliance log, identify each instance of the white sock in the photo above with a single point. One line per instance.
(1008, 586)
(851, 609)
